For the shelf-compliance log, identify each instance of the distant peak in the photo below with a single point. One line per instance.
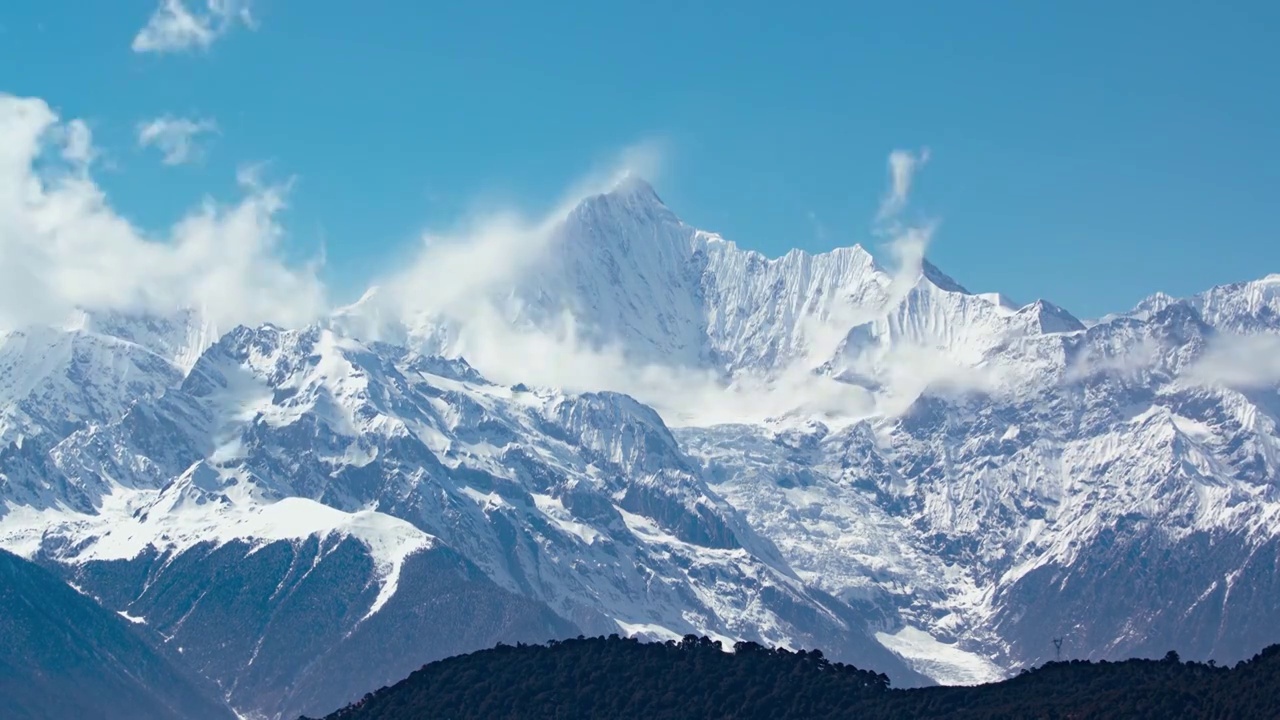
(855, 250)
(941, 279)
(1052, 318)
(629, 195)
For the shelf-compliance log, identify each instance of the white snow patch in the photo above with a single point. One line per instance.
(1193, 429)
(131, 618)
(648, 631)
(943, 662)
(131, 521)
(487, 501)
(555, 511)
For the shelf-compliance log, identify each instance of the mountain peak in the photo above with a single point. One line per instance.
(941, 279)
(631, 185)
(1052, 318)
(630, 199)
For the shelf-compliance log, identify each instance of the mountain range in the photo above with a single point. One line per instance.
(644, 429)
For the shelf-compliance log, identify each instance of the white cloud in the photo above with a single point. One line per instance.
(77, 144)
(903, 165)
(1245, 362)
(907, 243)
(1129, 362)
(175, 138)
(63, 247)
(173, 27)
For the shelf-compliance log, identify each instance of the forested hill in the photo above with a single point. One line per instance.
(621, 678)
(62, 655)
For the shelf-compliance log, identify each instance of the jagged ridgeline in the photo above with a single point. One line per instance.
(694, 678)
(313, 512)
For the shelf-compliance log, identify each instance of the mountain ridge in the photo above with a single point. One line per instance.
(965, 461)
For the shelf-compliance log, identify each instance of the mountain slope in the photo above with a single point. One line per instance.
(294, 465)
(65, 656)
(996, 452)
(1102, 490)
(944, 483)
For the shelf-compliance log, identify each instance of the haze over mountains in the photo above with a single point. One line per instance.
(610, 421)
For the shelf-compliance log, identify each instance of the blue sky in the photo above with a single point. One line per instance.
(1083, 152)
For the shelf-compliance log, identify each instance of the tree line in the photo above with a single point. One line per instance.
(617, 677)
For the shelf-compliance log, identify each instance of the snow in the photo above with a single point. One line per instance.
(555, 511)
(291, 518)
(1194, 429)
(649, 632)
(907, 445)
(131, 618)
(944, 662)
(115, 533)
(1000, 302)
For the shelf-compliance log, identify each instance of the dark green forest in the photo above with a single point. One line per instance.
(620, 678)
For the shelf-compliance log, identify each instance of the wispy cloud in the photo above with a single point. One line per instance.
(903, 165)
(906, 243)
(63, 247)
(174, 27)
(819, 228)
(1244, 362)
(175, 138)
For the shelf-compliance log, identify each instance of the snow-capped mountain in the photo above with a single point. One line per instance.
(634, 277)
(422, 500)
(1002, 439)
(945, 482)
(1099, 486)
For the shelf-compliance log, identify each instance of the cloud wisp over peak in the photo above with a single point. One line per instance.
(903, 165)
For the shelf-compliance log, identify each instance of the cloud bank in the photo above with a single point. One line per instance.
(173, 27)
(62, 246)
